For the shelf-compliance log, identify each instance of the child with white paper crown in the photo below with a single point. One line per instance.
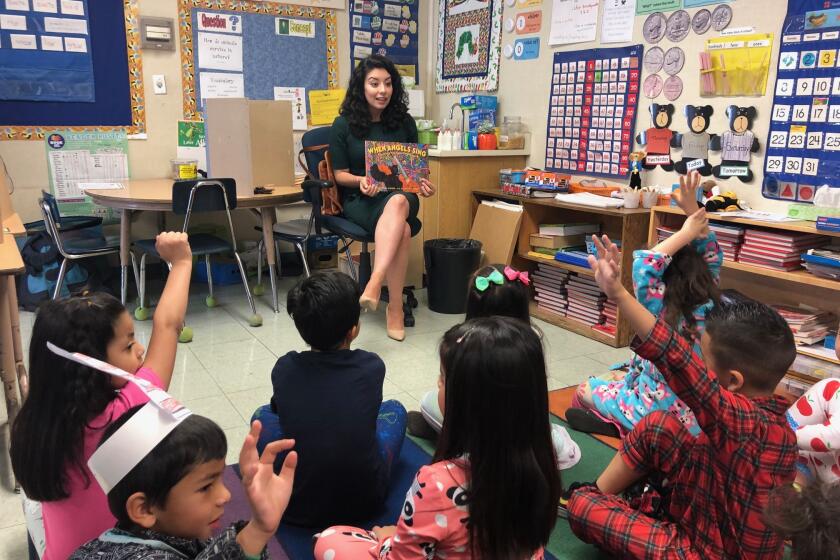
(70, 405)
(161, 467)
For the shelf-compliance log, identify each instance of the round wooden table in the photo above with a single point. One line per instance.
(156, 195)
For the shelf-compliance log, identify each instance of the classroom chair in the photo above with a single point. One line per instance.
(188, 197)
(75, 249)
(315, 149)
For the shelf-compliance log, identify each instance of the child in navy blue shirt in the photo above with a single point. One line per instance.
(329, 399)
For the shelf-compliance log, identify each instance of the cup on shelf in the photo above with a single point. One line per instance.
(649, 199)
(632, 198)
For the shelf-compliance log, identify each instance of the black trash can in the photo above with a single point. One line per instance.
(449, 265)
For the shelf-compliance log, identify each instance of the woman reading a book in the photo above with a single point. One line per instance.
(374, 109)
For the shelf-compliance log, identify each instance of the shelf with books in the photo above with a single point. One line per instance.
(797, 276)
(630, 227)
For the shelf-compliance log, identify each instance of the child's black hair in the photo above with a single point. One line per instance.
(325, 307)
(509, 299)
(496, 413)
(810, 517)
(193, 442)
(47, 437)
(688, 284)
(751, 337)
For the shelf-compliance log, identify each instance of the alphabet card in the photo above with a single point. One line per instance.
(803, 145)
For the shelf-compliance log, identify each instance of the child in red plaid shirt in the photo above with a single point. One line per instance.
(719, 483)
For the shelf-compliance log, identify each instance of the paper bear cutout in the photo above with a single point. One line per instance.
(737, 144)
(657, 139)
(696, 142)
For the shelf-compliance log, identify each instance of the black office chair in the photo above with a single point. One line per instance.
(315, 144)
(202, 195)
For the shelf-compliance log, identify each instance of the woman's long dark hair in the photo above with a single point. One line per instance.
(688, 284)
(355, 109)
(496, 415)
(48, 434)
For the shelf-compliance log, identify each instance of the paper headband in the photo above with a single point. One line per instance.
(135, 439)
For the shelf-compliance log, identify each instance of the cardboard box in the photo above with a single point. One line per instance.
(488, 102)
(496, 225)
(251, 141)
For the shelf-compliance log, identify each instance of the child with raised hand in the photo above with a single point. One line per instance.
(492, 489)
(168, 506)
(676, 280)
(719, 481)
(494, 291)
(809, 517)
(70, 405)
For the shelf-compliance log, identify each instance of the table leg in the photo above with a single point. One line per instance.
(268, 220)
(125, 246)
(7, 358)
(22, 376)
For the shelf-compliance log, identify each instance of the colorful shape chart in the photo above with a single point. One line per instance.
(593, 103)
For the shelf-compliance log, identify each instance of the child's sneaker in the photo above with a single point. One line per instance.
(565, 496)
(584, 420)
(418, 427)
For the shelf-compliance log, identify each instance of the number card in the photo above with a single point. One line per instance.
(593, 101)
(803, 143)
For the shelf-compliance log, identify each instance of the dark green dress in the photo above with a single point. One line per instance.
(348, 152)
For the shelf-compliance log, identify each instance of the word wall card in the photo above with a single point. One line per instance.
(803, 146)
(593, 102)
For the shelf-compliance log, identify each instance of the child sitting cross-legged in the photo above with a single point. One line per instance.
(170, 503)
(492, 489)
(329, 400)
(720, 481)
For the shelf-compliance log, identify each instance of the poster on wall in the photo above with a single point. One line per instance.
(803, 144)
(617, 21)
(573, 21)
(385, 28)
(593, 101)
(649, 6)
(85, 160)
(45, 52)
(469, 45)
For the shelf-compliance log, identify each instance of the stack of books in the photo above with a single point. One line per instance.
(779, 251)
(664, 232)
(610, 323)
(808, 325)
(586, 300)
(729, 238)
(550, 286)
(563, 242)
(823, 262)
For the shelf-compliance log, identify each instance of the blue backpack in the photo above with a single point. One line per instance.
(42, 261)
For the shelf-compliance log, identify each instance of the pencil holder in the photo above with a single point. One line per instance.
(631, 199)
(649, 199)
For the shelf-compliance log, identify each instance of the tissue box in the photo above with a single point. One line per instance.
(487, 102)
(481, 116)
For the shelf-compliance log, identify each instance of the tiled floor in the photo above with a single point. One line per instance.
(225, 372)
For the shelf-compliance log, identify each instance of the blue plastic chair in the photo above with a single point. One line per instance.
(74, 249)
(202, 195)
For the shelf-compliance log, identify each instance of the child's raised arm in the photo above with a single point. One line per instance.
(169, 313)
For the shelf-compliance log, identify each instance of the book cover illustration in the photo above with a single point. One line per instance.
(396, 166)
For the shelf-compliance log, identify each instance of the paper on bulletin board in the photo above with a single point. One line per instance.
(85, 157)
(221, 84)
(617, 21)
(740, 64)
(648, 6)
(192, 142)
(220, 51)
(324, 105)
(297, 95)
(328, 4)
(573, 21)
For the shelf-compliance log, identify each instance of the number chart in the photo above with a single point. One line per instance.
(593, 103)
(803, 145)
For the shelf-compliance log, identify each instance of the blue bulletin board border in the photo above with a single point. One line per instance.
(796, 162)
(186, 9)
(118, 70)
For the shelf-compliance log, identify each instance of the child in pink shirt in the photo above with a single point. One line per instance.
(70, 405)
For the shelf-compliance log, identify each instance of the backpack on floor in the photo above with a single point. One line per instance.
(42, 262)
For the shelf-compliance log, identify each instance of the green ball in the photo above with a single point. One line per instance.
(141, 313)
(210, 301)
(255, 320)
(258, 290)
(186, 335)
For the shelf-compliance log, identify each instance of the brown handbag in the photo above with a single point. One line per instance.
(330, 201)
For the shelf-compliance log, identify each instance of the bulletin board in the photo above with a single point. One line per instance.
(593, 100)
(47, 55)
(469, 45)
(803, 145)
(389, 28)
(117, 100)
(277, 45)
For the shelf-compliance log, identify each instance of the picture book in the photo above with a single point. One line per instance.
(396, 166)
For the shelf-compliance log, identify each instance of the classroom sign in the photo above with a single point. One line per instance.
(803, 144)
(388, 28)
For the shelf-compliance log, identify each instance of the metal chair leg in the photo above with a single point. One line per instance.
(260, 248)
(350, 264)
(210, 300)
(62, 271)
(123, 283)
(142, 312)
(255, 320)
(302, 253)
